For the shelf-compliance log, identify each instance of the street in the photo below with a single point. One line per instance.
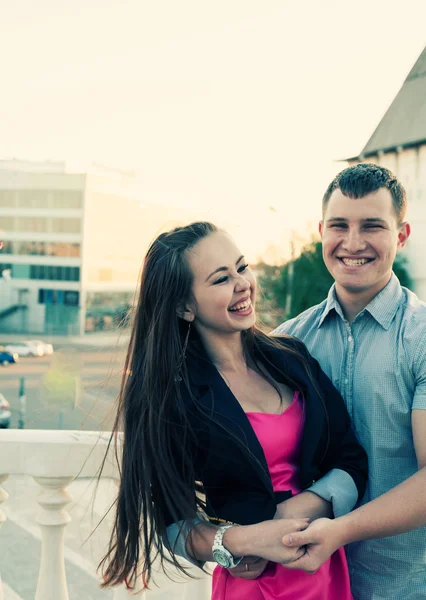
(99, 368)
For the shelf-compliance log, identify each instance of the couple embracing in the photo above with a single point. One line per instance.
(268, 454)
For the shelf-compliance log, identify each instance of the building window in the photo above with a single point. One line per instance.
(20, 271)
(7, 199)
(54, 273)
(41, 224)
(71, 298)
(4, 267)
(7, 247)
(42, 249)
(60, 225)
(32, 199)
(7, 223)
(66, 297)
(66, 199)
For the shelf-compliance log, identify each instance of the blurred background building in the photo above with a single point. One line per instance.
(399, 143)
(72, 247)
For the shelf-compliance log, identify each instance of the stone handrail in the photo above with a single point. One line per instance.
(54, 459)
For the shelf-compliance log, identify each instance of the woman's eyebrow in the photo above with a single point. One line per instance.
(219, 269)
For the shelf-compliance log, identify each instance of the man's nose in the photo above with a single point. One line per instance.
(353, 241)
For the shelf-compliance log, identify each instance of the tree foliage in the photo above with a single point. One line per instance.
(299, 284)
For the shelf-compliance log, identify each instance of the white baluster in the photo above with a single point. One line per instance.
(53, 497)
(3, 497)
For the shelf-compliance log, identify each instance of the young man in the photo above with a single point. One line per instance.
(369, 336)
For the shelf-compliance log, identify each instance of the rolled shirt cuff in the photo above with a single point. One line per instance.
(339, 488)
(176, 536)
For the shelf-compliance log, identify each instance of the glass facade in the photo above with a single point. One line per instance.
(5, 267)
(41, 199)
(41, 248)
(108, 299)
(50, 272)
(40, 224)
(65, 297)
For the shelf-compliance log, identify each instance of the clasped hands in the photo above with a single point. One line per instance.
(294, 543)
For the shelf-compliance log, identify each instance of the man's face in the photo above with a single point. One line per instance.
(360, 239)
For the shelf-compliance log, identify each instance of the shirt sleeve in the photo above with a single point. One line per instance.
(337, 487)
(177, 534)
(419, 400)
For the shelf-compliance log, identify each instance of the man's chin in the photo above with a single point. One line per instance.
(353, 287)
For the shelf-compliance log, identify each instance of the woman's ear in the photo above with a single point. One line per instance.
(185, 313)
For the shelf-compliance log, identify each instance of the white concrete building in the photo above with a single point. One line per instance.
(73, 247)
(399, 143)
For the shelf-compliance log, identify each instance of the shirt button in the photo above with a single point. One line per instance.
(346, 381)
(350, 339)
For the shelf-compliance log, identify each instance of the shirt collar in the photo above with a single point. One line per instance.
(382, 307)
(331, 304)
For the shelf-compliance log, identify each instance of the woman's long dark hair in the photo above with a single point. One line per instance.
(157, 484)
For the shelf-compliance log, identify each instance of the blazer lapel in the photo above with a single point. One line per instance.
(227, 411)
(286, 363)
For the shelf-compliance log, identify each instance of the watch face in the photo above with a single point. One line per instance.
(222, 559)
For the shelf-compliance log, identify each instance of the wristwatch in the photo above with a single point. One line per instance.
(221, 555)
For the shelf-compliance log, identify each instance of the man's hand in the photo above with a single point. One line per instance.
(251, 567)
(321, 539)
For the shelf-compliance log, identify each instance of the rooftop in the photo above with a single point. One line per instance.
(404, 123)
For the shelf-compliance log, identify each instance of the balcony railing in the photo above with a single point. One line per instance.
(56, 460)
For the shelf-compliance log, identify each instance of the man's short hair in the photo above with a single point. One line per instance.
(364, 178)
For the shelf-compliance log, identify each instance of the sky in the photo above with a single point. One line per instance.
(237, 111)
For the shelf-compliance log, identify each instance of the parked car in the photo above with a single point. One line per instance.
(5, 413)
(7, 358)
(24, 349)
(45, 347)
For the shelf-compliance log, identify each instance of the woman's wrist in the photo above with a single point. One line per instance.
(238, 540)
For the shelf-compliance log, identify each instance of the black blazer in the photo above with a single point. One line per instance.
(229, 460)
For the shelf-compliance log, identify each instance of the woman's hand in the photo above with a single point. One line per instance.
(305, 504)
(321, 539)
(251, 567)
(265, 540)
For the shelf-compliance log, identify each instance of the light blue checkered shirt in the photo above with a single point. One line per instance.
(379, 365)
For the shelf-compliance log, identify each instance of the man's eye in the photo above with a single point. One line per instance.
(373, 227)
(242, 268)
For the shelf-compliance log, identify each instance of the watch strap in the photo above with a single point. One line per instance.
(218, 545)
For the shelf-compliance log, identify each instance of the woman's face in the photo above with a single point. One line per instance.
(224, 288)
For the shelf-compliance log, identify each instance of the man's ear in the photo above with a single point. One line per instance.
(185, 313)
(403, 235)
(320, 227)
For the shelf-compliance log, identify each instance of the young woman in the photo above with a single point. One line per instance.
(220, 419)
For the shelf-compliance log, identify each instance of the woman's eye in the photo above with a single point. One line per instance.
(242, 268)
(221, 280)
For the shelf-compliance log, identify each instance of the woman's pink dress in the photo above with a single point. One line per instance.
(280, 437)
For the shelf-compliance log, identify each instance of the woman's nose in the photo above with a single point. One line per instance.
(242, 283)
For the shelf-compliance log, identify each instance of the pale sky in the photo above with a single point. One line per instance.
(223, 108)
